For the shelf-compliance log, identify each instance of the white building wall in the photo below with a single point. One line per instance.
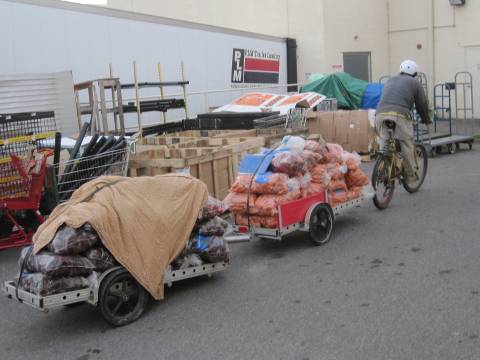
(43, 38)
(356, 26)
(264, 17)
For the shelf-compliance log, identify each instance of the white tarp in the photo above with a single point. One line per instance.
(41, 92)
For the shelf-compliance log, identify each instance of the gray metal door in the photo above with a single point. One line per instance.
(358, 64)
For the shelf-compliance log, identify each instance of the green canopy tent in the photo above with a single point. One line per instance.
(342, 86)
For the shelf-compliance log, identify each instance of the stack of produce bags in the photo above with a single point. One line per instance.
(207, 243)
(73, 260)
(299, 169)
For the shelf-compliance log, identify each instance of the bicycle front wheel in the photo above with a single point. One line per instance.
(382, 183)
(420, 167)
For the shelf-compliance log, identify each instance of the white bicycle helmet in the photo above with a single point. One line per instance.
(409, 67)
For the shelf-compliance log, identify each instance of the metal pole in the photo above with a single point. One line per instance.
(184, 87)
(162, 95)
(137, 98)
(114, 101)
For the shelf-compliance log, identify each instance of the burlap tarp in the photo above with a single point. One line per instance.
(144, 222)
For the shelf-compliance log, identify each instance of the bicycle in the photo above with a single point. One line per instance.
(389, 168)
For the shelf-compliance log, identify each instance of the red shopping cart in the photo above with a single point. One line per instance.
(21, 188)
(23, 138)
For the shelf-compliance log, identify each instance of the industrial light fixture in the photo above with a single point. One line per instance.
(457, 2)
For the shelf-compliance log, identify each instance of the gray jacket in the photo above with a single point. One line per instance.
(400, 94)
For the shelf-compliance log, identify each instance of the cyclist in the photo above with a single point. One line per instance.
(400, 94)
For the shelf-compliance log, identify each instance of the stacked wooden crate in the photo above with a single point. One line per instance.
(212, 156)
(270, 135)
(212, 160)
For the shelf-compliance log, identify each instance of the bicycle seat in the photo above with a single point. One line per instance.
(389, 124)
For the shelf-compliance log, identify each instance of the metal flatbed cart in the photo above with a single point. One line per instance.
(446, 135)
(312, 215)
(119, 297)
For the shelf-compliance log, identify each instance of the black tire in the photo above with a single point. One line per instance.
(451, 148)
(422, 170)
(122, 299)
(470, 145)
(321, 224)
(380, 176)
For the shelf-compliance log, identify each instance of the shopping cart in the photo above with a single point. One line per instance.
(74, 173)
(22, 173)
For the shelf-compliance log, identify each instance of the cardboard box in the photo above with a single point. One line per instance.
(351, 129)
(323, 124)
(326, 123)
(359, 131)
(342, 122)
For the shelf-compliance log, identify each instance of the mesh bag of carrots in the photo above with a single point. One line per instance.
(299, 169)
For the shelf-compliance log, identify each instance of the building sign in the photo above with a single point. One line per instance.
(255, 67)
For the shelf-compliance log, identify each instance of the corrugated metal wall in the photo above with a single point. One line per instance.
(40, 92)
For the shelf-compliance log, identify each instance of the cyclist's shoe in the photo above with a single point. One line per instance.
(410, 178)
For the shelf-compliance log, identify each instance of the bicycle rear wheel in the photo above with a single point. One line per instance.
(421, 168)
(382, 183)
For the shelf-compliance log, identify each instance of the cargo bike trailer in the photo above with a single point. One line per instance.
(312, 215)
(118, 296)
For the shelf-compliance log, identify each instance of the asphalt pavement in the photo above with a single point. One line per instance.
(398, 284)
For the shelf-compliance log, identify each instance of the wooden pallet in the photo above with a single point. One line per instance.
(214, 161)
(271, 136)
(215, 169)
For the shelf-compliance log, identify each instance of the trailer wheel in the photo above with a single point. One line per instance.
(122, 299)
(321, 224)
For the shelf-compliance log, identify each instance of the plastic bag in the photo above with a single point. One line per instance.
(320, 175)
(356, 178)
(70, 241)
(212, 208)
(310, 159)
(101, 258)
(352, 160)
(294, 143)
(242, 183)
(237, 203)
(266, 205)
(270, 222)
(211, 249)
(338, 197)
(56, 265)
(315, 147)
(94, 280)
(216, 226)
(43, 284)
(368, 191)
(312, 189)
(242, 220)
(334, 154)
(337, 185)
(185, 261)
(271, 184)
(354, 193)
(336, 171)
(288, 162)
